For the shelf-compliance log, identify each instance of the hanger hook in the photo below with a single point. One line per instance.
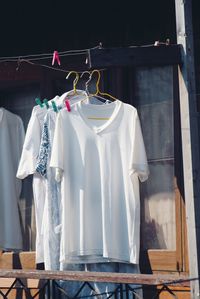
(75, 80)
(86, 83)
(98, 80)
(83, 73)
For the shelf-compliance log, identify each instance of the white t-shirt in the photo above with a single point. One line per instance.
(101, 152)
(11, 142)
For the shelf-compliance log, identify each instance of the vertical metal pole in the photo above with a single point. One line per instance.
(121, 291)
(48, 292)
(127, 291)
(52, 287)
(190, 137)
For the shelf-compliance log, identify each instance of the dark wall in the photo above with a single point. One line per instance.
(32, 27)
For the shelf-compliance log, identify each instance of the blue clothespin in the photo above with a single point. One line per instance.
(46, 103)
(54, 106)
(38, 101)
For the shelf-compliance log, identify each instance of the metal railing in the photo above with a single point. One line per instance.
(57, 284)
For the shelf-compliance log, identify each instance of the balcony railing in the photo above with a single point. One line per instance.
(51, 284)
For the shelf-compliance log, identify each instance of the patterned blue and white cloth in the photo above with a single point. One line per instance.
(51, 215)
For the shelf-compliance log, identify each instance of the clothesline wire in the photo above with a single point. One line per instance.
(49, 55)
(39, 58)
(62, 53)
(45, 66)
(44, 56)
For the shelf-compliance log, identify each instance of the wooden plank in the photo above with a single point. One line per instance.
(30, 283)
(135, 56)
(180, 293)
(181, 227)
(22, 260)
(34, 285)
(190, 137)
(144, 279)
(21, 294)
(158, 263)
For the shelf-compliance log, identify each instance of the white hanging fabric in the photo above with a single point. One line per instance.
(51, 210)
(11, 142)
(27, 166)
(100, 150)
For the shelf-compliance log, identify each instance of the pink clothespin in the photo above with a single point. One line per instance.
(55, 57)
(67, 103)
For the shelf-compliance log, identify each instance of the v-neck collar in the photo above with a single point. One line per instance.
(116, 105)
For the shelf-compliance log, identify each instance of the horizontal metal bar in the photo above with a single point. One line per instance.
(141, 279)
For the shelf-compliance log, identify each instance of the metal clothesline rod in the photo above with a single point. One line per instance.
(33, 59)
(48, 55)
(68, 52)
(41, 58)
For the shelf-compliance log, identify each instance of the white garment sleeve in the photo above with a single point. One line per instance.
(28, 160)
(57, 153)
(21, 134)
(139, 162)
(20, 141)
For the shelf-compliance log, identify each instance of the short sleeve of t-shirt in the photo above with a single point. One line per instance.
(28, 160)
(139, 163)
(57, 153)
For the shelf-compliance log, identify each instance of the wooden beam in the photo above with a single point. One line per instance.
(143, 279)
(135, 56)
(190, 137)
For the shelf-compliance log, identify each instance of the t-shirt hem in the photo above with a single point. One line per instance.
(24, 175)
(121, 258)
(11, 247)
(84, 257)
